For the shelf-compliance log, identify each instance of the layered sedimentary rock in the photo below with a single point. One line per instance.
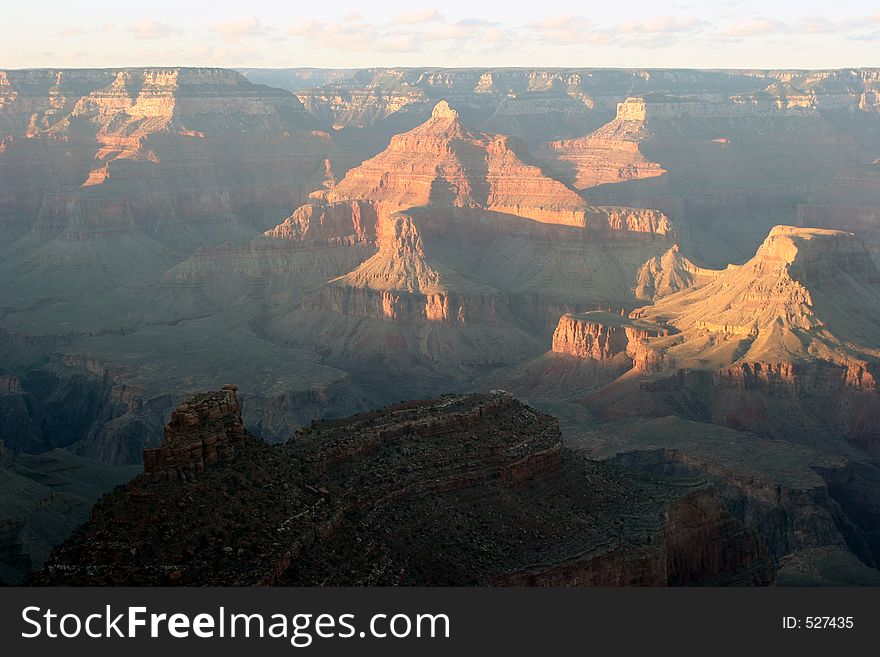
(611, 154)
(669, 273)
(603, 336)
(332, 223)
(559, 102)
(730, 166)
(794, 276)
(205, 430)
(449, 210)
(442, 163)
(796, 322)
(360, 501)
(93, 152)
(790, 494)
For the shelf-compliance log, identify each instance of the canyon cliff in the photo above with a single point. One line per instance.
(363, 236)
(460, 490)
(792, 332)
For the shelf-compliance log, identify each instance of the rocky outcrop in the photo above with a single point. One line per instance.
(350, 501)
(799, 379)
(331, 223)
(606, 337)
(770, 346)
(400, 264)
(442, 163)
(204, 430)
(669, 273)
(786, 287)
(610, 154)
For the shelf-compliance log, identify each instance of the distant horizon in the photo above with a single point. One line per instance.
(666, 34)
(239, 69)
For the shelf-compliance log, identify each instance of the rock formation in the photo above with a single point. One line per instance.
(610, 154)
(448, 209)
(360, 501)
(442, 163)
(797, 322)
(605, 337)
(669, 273)
(205, 430)
(783, 290)
(99, 152)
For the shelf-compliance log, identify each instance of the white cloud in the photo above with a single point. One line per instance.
(151, 29)
(565, 29)
(660, 25)
(238, 29)
(417, 17)
(754, 27)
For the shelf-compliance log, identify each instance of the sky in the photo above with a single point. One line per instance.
(453, 33)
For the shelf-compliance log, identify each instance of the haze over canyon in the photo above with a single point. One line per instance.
(638, 312)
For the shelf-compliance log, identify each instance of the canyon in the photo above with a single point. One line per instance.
(680, 265)
(421, 493)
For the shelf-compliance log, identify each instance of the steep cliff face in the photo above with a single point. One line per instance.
(608, 338)
(203, 431)
(350, 502)
(791, 495)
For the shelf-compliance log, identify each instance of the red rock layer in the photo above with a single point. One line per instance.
(441, 163)
(603, 337)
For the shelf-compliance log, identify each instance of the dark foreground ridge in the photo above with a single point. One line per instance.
(460, 490)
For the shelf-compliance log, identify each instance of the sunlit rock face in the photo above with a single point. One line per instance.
(795, 326)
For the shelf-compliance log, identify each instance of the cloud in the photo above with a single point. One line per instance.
(304, 28)
(754, 27)
(870, 36)
(151, 29)
(417, 17)
(564, 29)
(238, 29)
(354, 33)
(660, 25)
(404, 42)
(78, 31)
